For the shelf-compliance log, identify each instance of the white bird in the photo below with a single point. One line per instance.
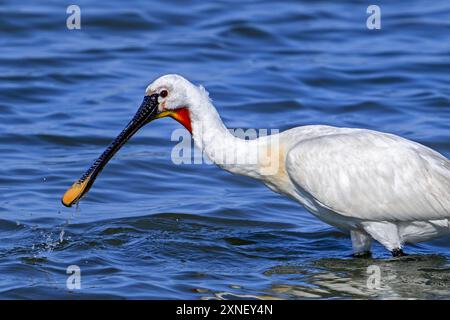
(374, 185)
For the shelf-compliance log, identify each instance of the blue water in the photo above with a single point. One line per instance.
(153, 229)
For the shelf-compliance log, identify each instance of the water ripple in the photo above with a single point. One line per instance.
(152, 229)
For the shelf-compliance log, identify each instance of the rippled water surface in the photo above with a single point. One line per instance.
(153, 229)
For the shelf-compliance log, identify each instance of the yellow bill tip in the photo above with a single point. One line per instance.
(74, 193)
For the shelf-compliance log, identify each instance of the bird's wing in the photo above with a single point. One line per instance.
(373, 176)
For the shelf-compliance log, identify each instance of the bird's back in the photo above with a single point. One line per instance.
(368, 174)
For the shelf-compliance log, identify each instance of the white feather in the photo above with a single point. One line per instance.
(372, 176)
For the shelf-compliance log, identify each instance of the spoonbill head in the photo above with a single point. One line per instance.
(371, 184)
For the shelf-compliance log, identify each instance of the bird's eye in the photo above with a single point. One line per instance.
(164, 93)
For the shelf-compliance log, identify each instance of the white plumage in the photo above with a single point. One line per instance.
(375, 185)
(378, 185)
(371, 175)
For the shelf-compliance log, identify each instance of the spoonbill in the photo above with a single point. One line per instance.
(374, 185)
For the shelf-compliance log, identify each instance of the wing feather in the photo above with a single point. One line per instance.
(372, 175)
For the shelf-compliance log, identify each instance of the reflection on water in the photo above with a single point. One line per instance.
(152, 229)
(411, 277)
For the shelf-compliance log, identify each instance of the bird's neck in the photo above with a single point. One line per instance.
(234, 154)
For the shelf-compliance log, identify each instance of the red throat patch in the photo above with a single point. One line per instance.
(183, 117)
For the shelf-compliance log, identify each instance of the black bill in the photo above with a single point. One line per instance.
(146, 113)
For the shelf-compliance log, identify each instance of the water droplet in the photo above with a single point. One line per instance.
(61, 235)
